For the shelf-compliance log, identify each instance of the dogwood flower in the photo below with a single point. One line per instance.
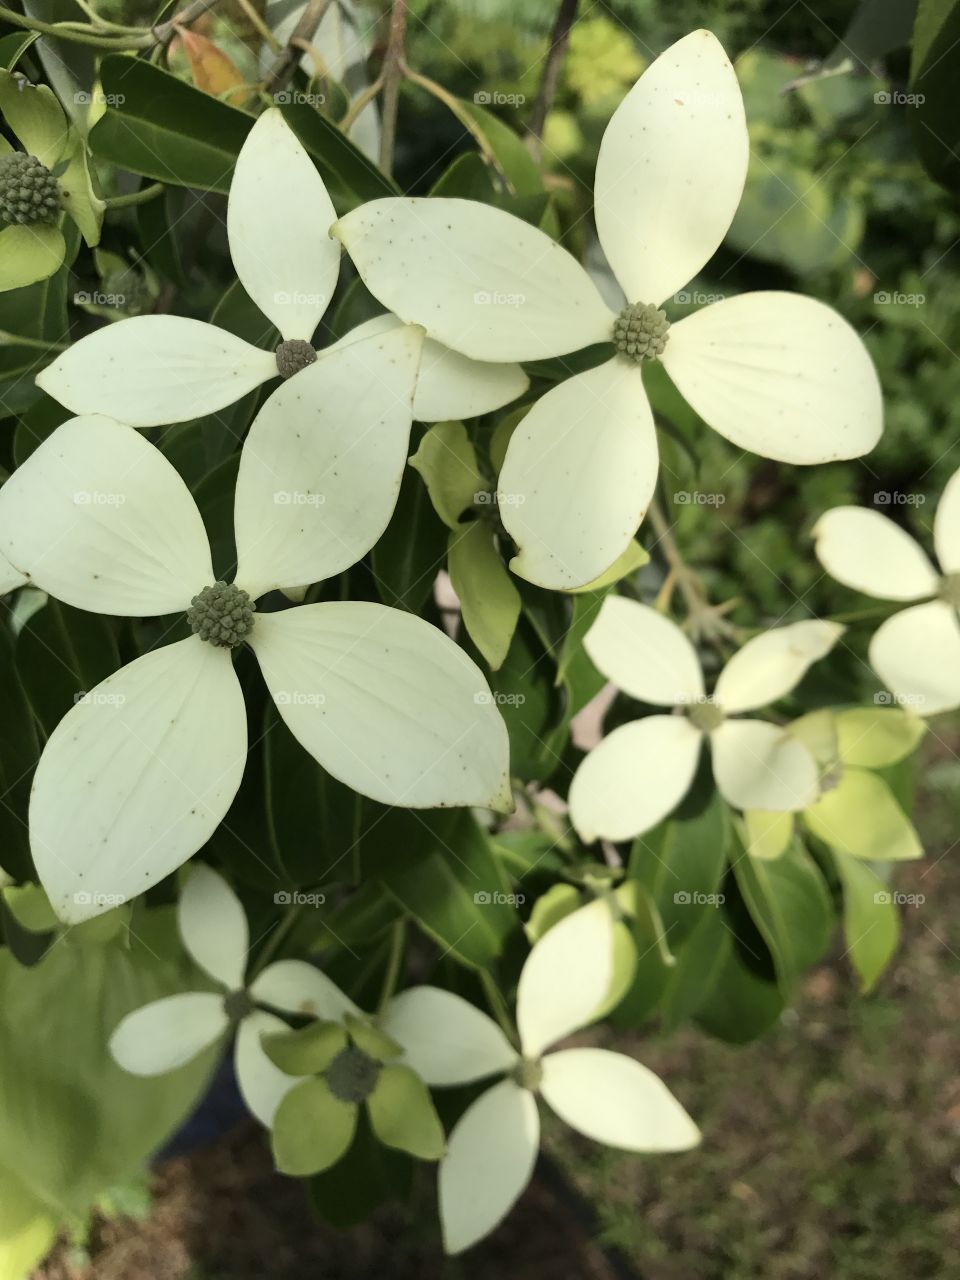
(856, 812)
(48, 178)
(139, 773)
(641, 771)
(916, 653)
(152, 370)
(169, 1033)
(606, 1096)
(775, 373)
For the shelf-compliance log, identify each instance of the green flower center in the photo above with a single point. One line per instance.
(221, 614)
(294, 355)
(950, 589)
(640, 332)
(705, 715)
(528, 1073)
(238, 1005)
(831, 777)
(29, 192)
(352, 1075)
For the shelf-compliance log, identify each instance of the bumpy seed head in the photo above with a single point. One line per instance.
(950, 589)
(238, 1005)
(29, 192)
(294, 355)
(640, 332)
(221, 614)
(528, 1073)
(352, 1075)
(705, 715)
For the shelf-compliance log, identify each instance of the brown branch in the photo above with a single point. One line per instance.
(302, 34)
(392, 75)
(559, 39)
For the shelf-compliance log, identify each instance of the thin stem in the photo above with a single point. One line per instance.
(37, 344)
(165, 31)
(136, 197)
(280, 933)
(75, 32)
(559, 40)
(498, 1006)
(450, 101)
(302, 34)
(392, 76)
(358, 104)
(705, 621)
(253, 17)
(398, 938)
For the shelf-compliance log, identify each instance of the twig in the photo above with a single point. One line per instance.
(559, 39)
(136, 197)
(302, 34)
(392, 75)
(704, 619)
(164, 32)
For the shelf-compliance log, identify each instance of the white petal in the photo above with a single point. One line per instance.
(98, 517)
(478, 279)
(865, 550)
(759, 766)
(916, 654)
(10, 578)
(295, 986)
(671, 169)
(615, 1100)
(386, 703)
(636, 776)
(446, 1039)
(644, 653)
(767, 667)
(565, 978)
(489, 1162)
(579, 474)
(780, 375)
(152, 370)
(450, 386)
(213, 926)
(278, 218)
(136, 777)
(946, 526)
(263, 1085)
(168, 1033)
(320, 469)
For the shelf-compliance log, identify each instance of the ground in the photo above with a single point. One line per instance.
(830, 1150)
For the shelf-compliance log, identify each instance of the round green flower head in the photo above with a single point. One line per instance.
(221, 614)
(29, 192)
(294, 355)
(640, 332)
(238, 1005)
(950, 589)
(705, 715)
(352, 1075)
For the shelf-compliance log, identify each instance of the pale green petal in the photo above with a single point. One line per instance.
(772, 664)
(865, 550)
(213, 926)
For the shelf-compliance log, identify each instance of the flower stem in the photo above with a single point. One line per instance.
(398, 938)
(302, 34)
(280, 933)
(559, 39)
(136, 197)
(498, 1006)
(392, 75)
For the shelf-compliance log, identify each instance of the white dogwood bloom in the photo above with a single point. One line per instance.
(169, 1033)
(152, 370)
(606, 1096)
(641, 771)
(775, 373)
(137, 776)
(916, 653)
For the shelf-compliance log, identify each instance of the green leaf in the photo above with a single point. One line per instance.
(874, 737)
(531, 705)
(933, 78)
(38, 312)
(306, 1051)
(448, 464)
(627, 562)
(80, 198)
(409, 555)
(343, 166)
(371, 1040)
(312, 1129)
(34, 116)
(19, 751)
(62, 654)
(368, 1174)
(790, 906)
(439, 866)
(871, 921)
(681, 861)
(164, 128)
(861, 817)
(498, 140)
(560, 901)
(489, 601)
(402, 1115)
(468, 178)
(31, 908)
(739, 1005)
(12, 49)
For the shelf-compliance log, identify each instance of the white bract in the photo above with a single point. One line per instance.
(641, 771)
(916, 653)
(776, 373)
(139, 773)
(152, 370)
(607, 1096)
(169, 1033)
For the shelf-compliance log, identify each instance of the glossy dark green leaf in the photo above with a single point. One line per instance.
(19, 751)
(411, 552)
(932, 106)
(62, 654)
(350, 175)
(738, 1005)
